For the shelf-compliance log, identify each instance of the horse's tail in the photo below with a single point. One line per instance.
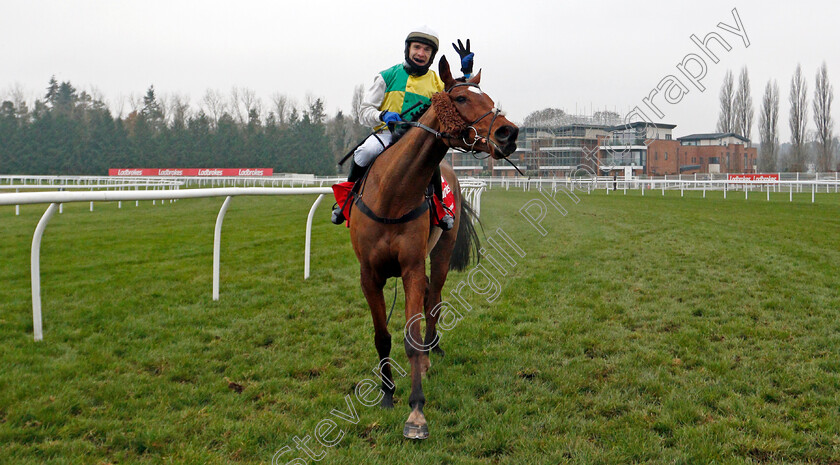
(467, 243)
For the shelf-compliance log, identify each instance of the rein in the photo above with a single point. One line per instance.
(464, 135)
(445, 137)
(410, 216)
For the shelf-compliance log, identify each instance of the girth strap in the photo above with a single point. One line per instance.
(410, 216)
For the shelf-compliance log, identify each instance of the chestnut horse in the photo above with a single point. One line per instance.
(394, 235)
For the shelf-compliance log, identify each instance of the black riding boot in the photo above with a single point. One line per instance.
(356, 173)
(447, 222)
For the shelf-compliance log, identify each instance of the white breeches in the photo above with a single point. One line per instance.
(372, 147)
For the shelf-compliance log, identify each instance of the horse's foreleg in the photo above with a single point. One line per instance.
(372, 288)
(414, 282)
(440, 257)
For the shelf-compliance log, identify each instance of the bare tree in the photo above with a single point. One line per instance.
(213, 105)
(282, 107)
(239, 114)
(99, 100)
(798, 120)
(178, 108)
(823, 96)
(119, 107)
(135, 102)
(358, 97)
(743, 106)
(18, 97)
(243, 102)
(726, 117)
(768, 127)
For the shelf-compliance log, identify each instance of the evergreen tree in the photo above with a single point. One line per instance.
(65, 99)
(152, 112)
(52, 92)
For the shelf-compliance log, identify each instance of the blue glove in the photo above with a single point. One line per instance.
(466, 57)
(389, 117)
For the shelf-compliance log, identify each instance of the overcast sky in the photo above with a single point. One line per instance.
(578, 56)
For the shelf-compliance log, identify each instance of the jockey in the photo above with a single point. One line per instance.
(396, 90)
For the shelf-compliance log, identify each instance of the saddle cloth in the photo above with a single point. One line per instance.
(342, 190)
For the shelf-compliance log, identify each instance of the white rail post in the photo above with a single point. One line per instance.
(217, 240)
(309, 236)
(35, 268)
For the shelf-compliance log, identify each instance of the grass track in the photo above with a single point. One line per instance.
(638, 330)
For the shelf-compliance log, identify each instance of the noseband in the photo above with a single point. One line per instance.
(465, 134)
(469, 140)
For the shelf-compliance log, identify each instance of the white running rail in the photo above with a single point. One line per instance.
(472, 191)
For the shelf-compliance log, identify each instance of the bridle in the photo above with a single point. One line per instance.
(445, 137)
(465, 135)
(495, 111)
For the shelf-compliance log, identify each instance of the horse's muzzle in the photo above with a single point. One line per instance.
(506, 138)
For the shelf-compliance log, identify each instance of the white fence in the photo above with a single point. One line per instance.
(788, 184)
(472, 191)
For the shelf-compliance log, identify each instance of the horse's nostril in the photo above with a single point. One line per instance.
(506, 133)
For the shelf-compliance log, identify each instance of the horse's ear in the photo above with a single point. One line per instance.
(445, 73)
(475, 79)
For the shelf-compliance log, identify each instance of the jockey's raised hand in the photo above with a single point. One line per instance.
(466, 57)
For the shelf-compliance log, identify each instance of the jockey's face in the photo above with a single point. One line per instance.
(419, 53)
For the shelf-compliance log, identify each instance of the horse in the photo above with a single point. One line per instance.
(395, 236)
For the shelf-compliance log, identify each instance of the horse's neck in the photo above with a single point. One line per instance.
(406, 168)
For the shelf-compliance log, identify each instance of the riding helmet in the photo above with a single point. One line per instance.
(425, 35)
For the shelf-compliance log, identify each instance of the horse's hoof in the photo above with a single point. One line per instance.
(386, 403)
(415, 431)
(438, 350)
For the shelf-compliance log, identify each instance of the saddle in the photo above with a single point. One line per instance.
(346, 195)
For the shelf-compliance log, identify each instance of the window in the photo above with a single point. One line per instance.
(656, 156)
(666, 155)
(667, 137)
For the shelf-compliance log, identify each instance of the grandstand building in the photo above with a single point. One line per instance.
(638, 148)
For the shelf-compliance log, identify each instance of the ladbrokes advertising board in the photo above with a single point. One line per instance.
(769, 178)
(190, 171)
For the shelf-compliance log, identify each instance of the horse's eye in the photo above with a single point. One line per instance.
(460, 99)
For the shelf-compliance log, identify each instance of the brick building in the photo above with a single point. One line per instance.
(643, 148)
(718, 153)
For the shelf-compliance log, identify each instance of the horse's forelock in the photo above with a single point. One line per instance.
(448, 117)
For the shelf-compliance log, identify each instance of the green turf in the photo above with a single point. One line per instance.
(638, 330)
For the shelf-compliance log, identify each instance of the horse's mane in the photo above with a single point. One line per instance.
(448, 117)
